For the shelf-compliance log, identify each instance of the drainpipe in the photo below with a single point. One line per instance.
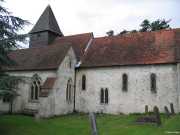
(74, 107)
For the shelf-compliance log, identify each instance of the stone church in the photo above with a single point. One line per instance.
(116, 74)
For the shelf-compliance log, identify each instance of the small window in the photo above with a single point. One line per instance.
(104, 96)
(69, 91)
(6, 99)
(124, 82)
(83, 82)
(70, 62)
(153, 83)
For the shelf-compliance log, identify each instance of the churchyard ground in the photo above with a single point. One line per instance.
(78, 124)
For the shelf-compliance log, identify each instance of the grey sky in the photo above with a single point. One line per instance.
(98, 16)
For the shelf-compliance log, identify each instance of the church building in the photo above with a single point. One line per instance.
(111, 74)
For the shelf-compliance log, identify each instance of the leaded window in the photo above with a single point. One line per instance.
(35, 87)
(153, 83)
(104, 96)
(124, 82)
(69, 91)
(83, 82)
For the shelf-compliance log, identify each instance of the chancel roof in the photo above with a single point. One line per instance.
(160, 47)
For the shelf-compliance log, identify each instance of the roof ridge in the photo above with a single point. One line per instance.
(78, 34)
(137, 33)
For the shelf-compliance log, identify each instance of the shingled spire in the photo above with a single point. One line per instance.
(45, 30)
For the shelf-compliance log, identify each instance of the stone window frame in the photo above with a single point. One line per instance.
(35, 88)
(104, 96)
(83, 82)
(153, 83)
(6, 99)
(124, 82)
(69, 91)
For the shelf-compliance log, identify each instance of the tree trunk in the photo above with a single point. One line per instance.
(11, 106)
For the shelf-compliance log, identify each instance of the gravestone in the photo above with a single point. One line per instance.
(157, 115)
(37, 117)
(172, 109)
(92, 118)
(146, 109)
(167, 111)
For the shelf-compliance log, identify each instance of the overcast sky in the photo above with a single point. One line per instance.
(98, 16)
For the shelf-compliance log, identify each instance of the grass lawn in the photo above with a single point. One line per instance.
(77, 124)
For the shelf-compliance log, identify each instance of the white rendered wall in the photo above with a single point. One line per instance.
(138, 95)
(23, 100)
(55, 103)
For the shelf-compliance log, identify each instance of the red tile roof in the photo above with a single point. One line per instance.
(133, 49)
(79, 42)
(47, 86)
(160, 47)
(39, 58)
(48, 57)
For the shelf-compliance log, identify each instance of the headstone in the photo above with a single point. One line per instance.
(172, 109)
(37, 117)
(167, 111)
(157, 115)
(146, 109)
(92, 118)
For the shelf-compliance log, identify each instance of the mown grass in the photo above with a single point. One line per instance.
(78, 124)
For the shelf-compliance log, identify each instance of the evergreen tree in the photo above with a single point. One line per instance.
(110, 33)
(154, 26)
(160, 24)
(9, 39)
(145, 26)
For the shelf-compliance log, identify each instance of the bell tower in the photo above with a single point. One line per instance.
(45, 30)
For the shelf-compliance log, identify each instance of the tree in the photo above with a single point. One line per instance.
(123, 32)
(9, 38)
(145, 26)
(155, 25)
(110, 33)
(160, 24)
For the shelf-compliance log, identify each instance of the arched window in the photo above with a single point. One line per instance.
(70, 62)
(35, 87)
(124, 82)
(104, 96)
(83, 82)
(153, 82)
(69, 91)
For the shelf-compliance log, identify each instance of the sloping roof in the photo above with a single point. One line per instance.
(47, 22)
(39, 58)
(47, 86)
(48, 57)
(79, 43)
(133, 49)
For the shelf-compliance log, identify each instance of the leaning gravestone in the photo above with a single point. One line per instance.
(172, 109)
(92, 118)
(167, 111)
(157, 115)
